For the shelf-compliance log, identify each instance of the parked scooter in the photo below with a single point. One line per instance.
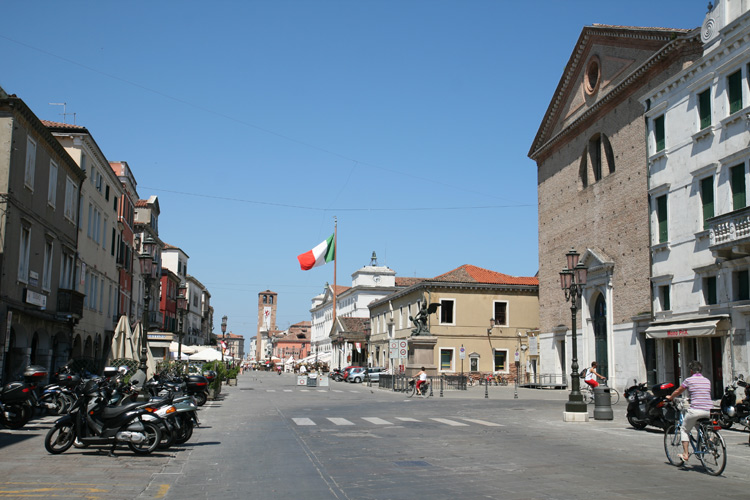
(731, 411)
(18, 400)
(649, 408)
(92, 422)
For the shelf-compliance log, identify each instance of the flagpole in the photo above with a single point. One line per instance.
(335, 252)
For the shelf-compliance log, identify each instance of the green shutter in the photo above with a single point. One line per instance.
(734, 82)
(704, 108)
(743, 286)
(661, 214)
(659, 133)
(707, 197)
(711, 290)
(738, 187)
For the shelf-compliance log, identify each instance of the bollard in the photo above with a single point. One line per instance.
(431, 384)
(602, 403)
(486, 394)
(441, 385)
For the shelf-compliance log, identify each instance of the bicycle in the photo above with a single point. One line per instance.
(424, 389)
(588, 393)
(709, 446)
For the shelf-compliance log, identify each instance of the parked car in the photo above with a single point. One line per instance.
(344, 373)
(374, 373)
(356, 374)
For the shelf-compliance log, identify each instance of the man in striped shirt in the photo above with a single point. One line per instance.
(699, 388)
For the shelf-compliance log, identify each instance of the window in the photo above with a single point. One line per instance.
(52, 187)
(595, 150)
(743, 285)
(47, 277)
(446, 311)
(704, 108)
(737, 180)
(709, 290)
(661, 216)
(71, 197)
(659, 136)
(66, 271)
(114, 242)
(664, 292)
(707, 199)
(23, 255)
(28, 177)
(446, 359)
(106, 192)
(501, 359)
(734, 90)
(500, 314)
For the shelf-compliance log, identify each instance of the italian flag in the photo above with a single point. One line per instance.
(322, 254)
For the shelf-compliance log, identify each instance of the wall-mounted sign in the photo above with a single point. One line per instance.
(36, 299)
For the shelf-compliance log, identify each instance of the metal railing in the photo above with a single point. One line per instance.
(400, 382)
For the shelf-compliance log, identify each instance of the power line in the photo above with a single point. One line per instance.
(334, 209)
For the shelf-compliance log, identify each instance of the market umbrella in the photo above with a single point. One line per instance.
(122, 341)
(206, 355)
(138, 339)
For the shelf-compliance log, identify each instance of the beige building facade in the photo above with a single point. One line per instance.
(483, 319)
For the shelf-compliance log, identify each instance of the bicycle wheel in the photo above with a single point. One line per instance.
(673, 445)
(713, 452)
(614, 396)
(588, 395)
(411, 390)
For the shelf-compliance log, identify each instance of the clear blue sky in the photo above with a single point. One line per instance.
(257, 122)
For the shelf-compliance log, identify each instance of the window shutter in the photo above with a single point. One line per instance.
(707, 196)
(734, 82)
(704, 108)
(661, 213)
(738, 187)
(659, 133)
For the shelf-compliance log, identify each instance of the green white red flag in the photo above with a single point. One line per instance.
(322, 254)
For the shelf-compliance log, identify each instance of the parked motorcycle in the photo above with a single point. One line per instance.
(92, 422)
(18, 400)
(649, 408)
(731, 411)
(337, 374)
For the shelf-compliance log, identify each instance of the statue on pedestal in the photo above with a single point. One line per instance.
(420, 321)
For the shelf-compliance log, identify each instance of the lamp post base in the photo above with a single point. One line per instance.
(575, 416)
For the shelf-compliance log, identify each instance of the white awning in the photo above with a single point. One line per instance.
(678, 330)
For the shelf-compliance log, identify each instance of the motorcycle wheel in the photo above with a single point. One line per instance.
(60, 405)
(153, 438)
(59, 438)
(167, 437)
(637, 424)
(186, 431)
(201, 398)
(15, 416)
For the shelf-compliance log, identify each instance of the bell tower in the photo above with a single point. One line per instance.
(267, 303)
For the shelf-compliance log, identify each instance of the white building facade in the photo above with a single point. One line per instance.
(369, 283)
(698, 136)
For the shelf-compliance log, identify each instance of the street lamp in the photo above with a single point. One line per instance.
(182, 305)
(223, 335)
(146, 260)
(572, 281)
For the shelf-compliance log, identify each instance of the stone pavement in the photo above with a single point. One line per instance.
(269, 437)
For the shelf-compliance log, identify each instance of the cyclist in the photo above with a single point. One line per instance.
(421, 378)
(591, 375)
(699, 388)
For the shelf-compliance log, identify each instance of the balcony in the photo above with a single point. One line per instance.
(70, 302)
(730, 234)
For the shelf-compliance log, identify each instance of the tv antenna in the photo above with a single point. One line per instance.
(64, 113)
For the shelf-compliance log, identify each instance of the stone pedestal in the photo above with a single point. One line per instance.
(421, 353)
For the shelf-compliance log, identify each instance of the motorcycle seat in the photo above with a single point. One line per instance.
(114, 411)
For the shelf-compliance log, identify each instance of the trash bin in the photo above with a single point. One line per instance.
(312, 381)
(602, 403)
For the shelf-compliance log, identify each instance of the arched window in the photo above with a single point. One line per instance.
(597, 160)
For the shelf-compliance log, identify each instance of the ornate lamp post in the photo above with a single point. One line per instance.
(181, 307)
(223, 335)
(146, 260)
(572, 281)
